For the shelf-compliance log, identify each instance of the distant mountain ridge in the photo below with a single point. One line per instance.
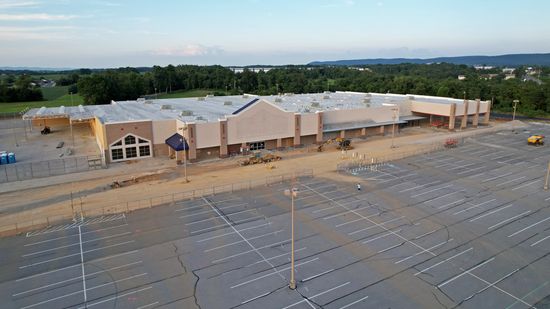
(501, 60)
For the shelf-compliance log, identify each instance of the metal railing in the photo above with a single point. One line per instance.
(38, 169)
(79, 208)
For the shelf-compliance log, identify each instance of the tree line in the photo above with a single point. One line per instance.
(22, 89)
(102, 86)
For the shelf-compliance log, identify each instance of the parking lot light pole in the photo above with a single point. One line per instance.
(184, 152)
(292, 193)
(547, 176)
(514, 115)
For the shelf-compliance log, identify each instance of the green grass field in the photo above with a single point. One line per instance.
(54, 93)
(188, 93)
(64, 100)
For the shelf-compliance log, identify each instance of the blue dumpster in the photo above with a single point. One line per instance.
(4, 158)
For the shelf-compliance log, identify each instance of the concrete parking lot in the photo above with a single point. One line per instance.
(467, 228)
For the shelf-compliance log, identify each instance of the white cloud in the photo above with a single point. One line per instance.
(34, 33)
(39, 16)
(10, 4)
(190, 50)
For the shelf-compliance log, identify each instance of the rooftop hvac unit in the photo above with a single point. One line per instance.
(306, 110)
(326, 92)
(187, 113)
(200, 98)
(148, 102)
(411, 97)
(245, 96)
(209, 95)
(314, 104)
(289, 94)
(227, 103)
(199, 118)
(326, 97)
(366, 100)
(141, 99)
(278, 100)
(166, 106)
(368, 95)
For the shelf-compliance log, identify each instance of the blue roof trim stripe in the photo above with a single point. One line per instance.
(177, 142)
(245, 106)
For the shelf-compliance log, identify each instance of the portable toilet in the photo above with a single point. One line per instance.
(11, 157)
(4, 158)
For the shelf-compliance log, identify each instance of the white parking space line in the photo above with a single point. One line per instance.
(509, 219)
(241, 241)
(200, 221)
(509, 181)
(470, 170)
(82, 266)
(539, 241)
(381, 236)
(426, 234)
(430, 191)
(451, 203)
(233, 232)
(490, 213)
(391, 247)
(527, 184)
(499, 289)
(353, 303)
(149, 305)
(254, 298)
(277, 256)
(461, 166)
(248, 251)
(209, 228)
(196, 214)
(50, 240)
(474, 206)
(418, 253)
(445, 260)
(468, 271)
(272, 273)
(528, 227)
(373, 226)
(115, 297)
(496, 177)
(316, 295)
(50, 260)
(317, 275)
(347, 212)
(419, 186)
(356, 220)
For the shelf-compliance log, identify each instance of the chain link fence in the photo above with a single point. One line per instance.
(77, 209)
(39, 169)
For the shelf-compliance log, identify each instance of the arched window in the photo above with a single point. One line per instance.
(130, 147)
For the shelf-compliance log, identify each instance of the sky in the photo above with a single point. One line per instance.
(117, 33)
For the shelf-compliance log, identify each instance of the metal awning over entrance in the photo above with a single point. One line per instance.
(177, 142)
(357, 125)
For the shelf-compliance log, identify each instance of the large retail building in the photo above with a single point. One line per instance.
(218, 126)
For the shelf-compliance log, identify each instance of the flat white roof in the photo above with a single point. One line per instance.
(212, 108)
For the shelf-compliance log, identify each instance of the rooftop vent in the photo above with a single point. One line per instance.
(187, 113)
(166, 106)
(245, 96)
(278, 100)
(227, 103)
(200, 98)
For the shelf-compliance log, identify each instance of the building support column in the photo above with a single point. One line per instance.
(488, 113)
(382, 129)
(343, 133)
(192, 141)
(297, 129)
(319, 136)
(464, 122)
(279, 143)
(452, 117)
(363, 132)
(476, 115)
(223, 138)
